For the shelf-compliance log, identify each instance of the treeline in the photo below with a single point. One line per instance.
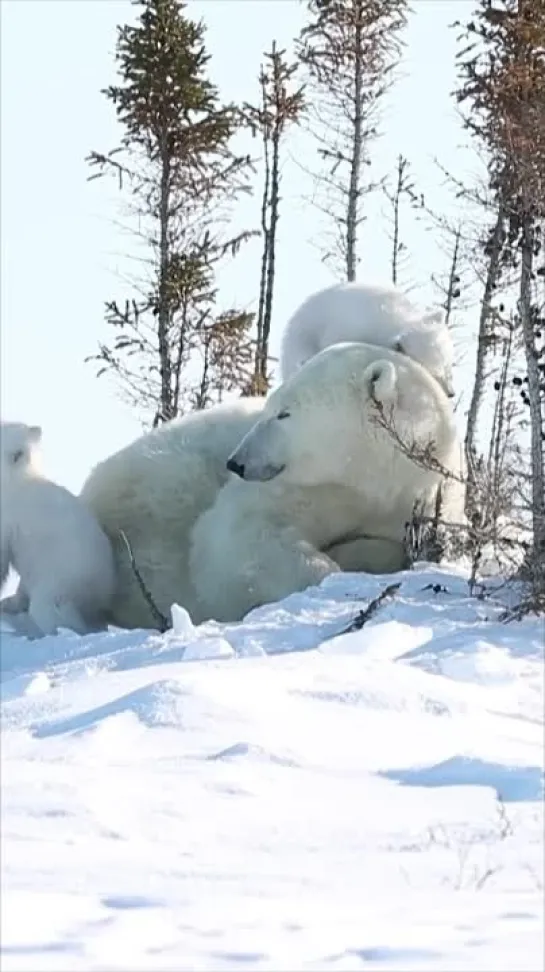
(179, 162)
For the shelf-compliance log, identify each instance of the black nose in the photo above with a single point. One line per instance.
(236, 467)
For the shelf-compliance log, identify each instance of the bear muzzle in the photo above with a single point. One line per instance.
(254, 473)
(236, 467)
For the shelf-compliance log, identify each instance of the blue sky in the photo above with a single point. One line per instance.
(62, 250)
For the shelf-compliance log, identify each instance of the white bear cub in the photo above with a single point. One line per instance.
(371, 314)
(63, 558)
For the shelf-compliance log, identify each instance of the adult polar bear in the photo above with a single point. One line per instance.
(313, 471)
(370, 313)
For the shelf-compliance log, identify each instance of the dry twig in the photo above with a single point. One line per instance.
(364, 616)
(158, 616)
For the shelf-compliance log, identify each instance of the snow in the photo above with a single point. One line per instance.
(269, 796)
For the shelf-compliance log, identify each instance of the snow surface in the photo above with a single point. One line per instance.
(266, 795)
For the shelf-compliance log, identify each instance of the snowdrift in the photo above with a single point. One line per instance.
(277, 795)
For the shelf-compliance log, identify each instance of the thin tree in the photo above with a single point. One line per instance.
(453, 287)
(349, 49)
(281, 106)
(403, 186)
(504, 67)
(485, 339)
(175, 155)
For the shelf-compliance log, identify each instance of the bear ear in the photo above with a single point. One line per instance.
(35, 433)
(380, 379)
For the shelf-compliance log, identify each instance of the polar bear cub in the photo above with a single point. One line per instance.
(373, 314)
(63, 558)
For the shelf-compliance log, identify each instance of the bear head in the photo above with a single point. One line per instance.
(430, 344)
(340, 413)
(19, 448)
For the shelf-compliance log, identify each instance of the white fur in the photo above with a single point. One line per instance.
(63, 558)
(373, 314)
(324, 477)
(154, 490)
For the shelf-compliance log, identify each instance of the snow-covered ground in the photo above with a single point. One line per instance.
(267, 796)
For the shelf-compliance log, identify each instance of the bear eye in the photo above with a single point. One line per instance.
(284, 414)
(398, 346)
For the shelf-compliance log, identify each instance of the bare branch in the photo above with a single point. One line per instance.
(159, 618)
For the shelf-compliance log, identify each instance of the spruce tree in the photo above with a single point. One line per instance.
(176, 159)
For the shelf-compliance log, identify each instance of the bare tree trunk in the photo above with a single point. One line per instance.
(536, 418)
(492, 276)
(202, 391)
(401, 165)
(163, 321)
(499, 441)
(266, 245)
(497, 437)
(179, 359)
(355, 161)
(271, 257)
(281, 105)
(453, 278)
